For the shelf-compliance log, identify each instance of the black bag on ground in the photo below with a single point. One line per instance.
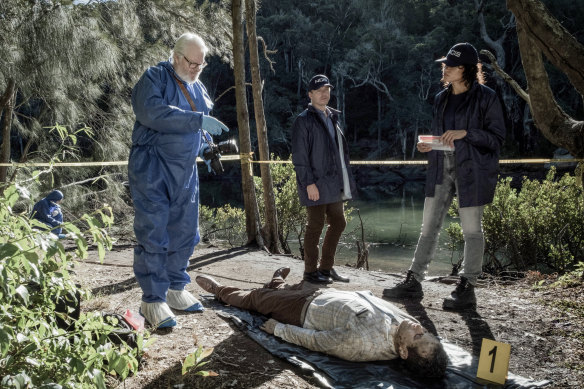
(122, 332)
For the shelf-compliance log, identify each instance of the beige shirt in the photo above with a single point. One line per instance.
(354, 326)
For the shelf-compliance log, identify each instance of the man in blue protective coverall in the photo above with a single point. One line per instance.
(172, 109)
(48, 211)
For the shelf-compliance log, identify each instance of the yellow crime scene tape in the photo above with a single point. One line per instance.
(246, 158)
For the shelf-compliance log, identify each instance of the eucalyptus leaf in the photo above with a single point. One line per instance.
(98, 379)
(5, 338)
(8, 250)
(22, 292)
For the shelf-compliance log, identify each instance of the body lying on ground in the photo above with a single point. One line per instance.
(354, 326)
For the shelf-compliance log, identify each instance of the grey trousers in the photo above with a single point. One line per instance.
(435, 210)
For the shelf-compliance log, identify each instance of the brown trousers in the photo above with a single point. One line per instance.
(284, 303)
(335, 218)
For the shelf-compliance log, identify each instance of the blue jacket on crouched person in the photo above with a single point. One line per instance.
(49, 212)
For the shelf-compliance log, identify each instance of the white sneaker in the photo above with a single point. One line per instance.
(158, 315)
(183, 300)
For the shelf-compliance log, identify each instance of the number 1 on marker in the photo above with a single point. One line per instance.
(494, 352)
(494, 361)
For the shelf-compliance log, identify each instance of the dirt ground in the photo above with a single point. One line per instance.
(546, 338)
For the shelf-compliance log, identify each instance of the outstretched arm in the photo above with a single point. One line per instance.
(328, 342)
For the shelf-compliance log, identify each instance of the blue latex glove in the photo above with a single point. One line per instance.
(202, 149)
(213, 126)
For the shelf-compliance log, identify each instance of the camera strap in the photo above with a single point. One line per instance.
(206, 135)
(185, 92)
(208, 138)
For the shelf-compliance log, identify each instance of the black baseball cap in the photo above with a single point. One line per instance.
(318, 81)
(461, 54)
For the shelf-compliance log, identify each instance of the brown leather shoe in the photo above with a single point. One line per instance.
(281, 272)
(208, 284)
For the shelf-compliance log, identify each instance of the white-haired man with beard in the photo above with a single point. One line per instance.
(172, 110)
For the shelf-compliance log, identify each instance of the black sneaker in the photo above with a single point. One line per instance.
(409, 288)
(463, 297)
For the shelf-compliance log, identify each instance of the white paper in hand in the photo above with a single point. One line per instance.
(434, 142)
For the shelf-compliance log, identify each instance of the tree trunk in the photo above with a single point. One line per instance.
(529, 138)
(415, 142)
(539, 32)
(287, 62)
(271, 217)
(378, 124)
(340, 91)
(6, 107)
(557, 126)
(299, 86)
(496, 45)
(252, 223)
(547, 33)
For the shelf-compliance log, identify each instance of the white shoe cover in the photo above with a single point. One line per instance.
(158, 315)
(183, 300)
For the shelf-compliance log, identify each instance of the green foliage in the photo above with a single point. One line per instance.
(78, 198)
(539, 227)
(194, 361)
(224, 223)
(35, 349)
(562, 292)
(572, 278)
(291, 215)
(228, 223)
(76, 64)
(456, 240)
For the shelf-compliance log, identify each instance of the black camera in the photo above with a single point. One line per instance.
(214, 151)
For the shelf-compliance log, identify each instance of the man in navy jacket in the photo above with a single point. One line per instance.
(321, 161)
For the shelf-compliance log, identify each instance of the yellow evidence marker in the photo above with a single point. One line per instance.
(494, 361)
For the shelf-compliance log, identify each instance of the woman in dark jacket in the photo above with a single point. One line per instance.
(468, 118)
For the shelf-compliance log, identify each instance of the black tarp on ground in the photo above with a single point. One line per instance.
(332, 372)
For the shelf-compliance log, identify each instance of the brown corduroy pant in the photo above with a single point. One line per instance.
(317, 214)
(284, 303)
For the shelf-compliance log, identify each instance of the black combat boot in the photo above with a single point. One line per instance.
(463, 297)
(409, 288)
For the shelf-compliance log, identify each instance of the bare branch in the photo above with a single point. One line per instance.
(266, 52)
(228, 89)
(92, 179)
(507, 78)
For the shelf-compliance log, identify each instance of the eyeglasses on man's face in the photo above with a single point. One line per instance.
(193, 64)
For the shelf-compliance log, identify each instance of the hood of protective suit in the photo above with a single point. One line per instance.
(55, 196)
